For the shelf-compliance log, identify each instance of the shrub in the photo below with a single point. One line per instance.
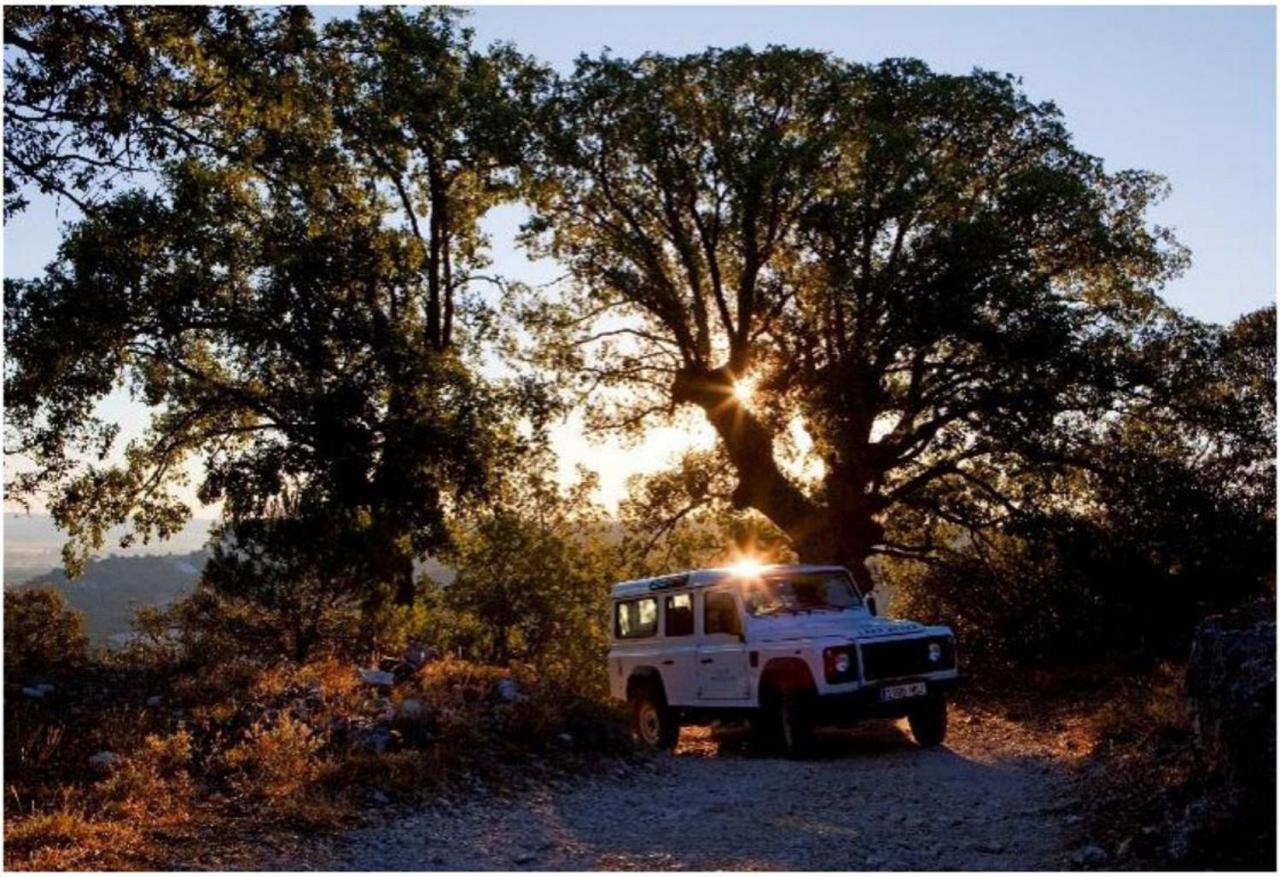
(42, 636)
(276, 761)
(153, 781)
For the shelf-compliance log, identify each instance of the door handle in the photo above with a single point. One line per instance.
(708, 660)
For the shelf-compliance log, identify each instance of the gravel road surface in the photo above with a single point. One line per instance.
(994, 797)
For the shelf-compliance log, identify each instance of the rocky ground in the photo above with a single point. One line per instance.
(998, 796)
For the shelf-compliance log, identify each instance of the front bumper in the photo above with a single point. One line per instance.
(865, 703)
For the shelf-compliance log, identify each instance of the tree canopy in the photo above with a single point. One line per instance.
(920, 269)
(910, 307)
(284, 286)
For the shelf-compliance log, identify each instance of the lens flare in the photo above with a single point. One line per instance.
(747, 567)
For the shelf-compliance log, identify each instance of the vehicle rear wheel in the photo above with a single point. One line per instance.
(655, 723)
(928, 721)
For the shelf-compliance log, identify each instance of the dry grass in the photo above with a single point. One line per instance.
(235, 753)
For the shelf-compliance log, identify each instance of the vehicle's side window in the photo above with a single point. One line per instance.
(636, 618)
(720, 614)
(679, 610)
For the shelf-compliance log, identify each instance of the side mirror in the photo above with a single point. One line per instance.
(871, 605)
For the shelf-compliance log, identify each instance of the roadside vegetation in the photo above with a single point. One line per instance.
(925, 328)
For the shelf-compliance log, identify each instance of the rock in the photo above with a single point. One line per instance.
(509, 691)
(379, 797)
(411, 709)
(991, 847)
(566, 738)
(1089, 855)
(525, 858)
(104, 761)
(33, 692)
(155, 700)
(416, 654)
(1231, 679)
(1231, 692)
(375, 740)
(377, 677)
(1122, 848)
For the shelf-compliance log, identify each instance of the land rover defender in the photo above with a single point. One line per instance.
(787, 647)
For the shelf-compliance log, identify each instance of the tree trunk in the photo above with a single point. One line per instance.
(406, 590)
(842, 533)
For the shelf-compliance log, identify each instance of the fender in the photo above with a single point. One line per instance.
(785, 674)
(645, 675)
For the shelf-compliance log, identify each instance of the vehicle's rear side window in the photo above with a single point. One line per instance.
(720, 614)
(679, 615)
(636, 618)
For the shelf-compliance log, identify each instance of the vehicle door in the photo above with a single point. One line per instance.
(723, 673)
(679, 649)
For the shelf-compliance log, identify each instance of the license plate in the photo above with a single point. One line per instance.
(898, 692)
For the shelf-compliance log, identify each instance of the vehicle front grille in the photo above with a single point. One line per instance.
(906, 657)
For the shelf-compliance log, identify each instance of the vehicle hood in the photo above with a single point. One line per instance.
(854, 624)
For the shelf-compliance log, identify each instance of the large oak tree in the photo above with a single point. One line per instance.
(921, 269)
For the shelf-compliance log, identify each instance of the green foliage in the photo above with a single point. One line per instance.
(284, 295)
(532, 576)
(920, 269)
(1174, 519)
(42, 637)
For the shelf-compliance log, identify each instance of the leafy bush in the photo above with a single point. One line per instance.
(42, 636)
(276, 761)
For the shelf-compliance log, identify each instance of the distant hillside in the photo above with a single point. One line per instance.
(33, 545)
(113, 589)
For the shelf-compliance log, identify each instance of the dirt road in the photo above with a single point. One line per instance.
(995, 797)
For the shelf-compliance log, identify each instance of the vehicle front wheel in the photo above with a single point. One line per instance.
(928, 721)
(655, 723)
(788, 721)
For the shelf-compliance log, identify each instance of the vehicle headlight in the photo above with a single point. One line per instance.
(935, 652)
(840, 663)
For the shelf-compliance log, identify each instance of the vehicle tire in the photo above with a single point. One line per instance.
(655, 724)
(788, 721)
(928, 721)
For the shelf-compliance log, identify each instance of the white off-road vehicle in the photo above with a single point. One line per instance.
(786, 647)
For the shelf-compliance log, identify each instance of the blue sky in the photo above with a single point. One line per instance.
(1188, 92)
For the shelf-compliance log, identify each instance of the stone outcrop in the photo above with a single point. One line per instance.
(1231, 687)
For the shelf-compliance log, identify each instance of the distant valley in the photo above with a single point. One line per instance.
(33, 545)
(113, 588)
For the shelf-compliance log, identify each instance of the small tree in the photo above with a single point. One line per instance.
(532, 578)
(42, 635)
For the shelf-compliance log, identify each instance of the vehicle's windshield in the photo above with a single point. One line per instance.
(772, 593)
